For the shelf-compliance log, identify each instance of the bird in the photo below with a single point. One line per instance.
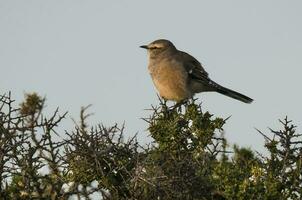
(178, 76)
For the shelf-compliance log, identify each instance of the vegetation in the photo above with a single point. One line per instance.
(189, 158)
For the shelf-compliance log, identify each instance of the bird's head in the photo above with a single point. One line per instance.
(158, 47)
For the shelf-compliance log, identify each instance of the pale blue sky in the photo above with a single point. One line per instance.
(87, 52)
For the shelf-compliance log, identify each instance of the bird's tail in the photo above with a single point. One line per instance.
(233, 94)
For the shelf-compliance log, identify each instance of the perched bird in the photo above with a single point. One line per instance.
(178, 75)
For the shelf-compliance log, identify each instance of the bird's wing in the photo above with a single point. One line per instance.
(194, 67)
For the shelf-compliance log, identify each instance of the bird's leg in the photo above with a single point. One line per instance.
(179, 104)
(165, 100)
(162, 100)
(163, 103)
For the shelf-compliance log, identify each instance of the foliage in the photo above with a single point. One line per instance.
(189, 158)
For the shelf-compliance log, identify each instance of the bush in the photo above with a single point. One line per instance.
(189, 158)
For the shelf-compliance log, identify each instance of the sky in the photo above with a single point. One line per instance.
(78, 52)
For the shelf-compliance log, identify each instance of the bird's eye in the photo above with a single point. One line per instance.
(154, 47)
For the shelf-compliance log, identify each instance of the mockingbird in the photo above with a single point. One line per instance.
(178, 75)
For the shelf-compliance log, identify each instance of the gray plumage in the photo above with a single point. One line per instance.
(178, 76)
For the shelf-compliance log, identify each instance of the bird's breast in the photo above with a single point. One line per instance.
(170, 80)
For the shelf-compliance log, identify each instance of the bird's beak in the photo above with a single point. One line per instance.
(144, 46)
